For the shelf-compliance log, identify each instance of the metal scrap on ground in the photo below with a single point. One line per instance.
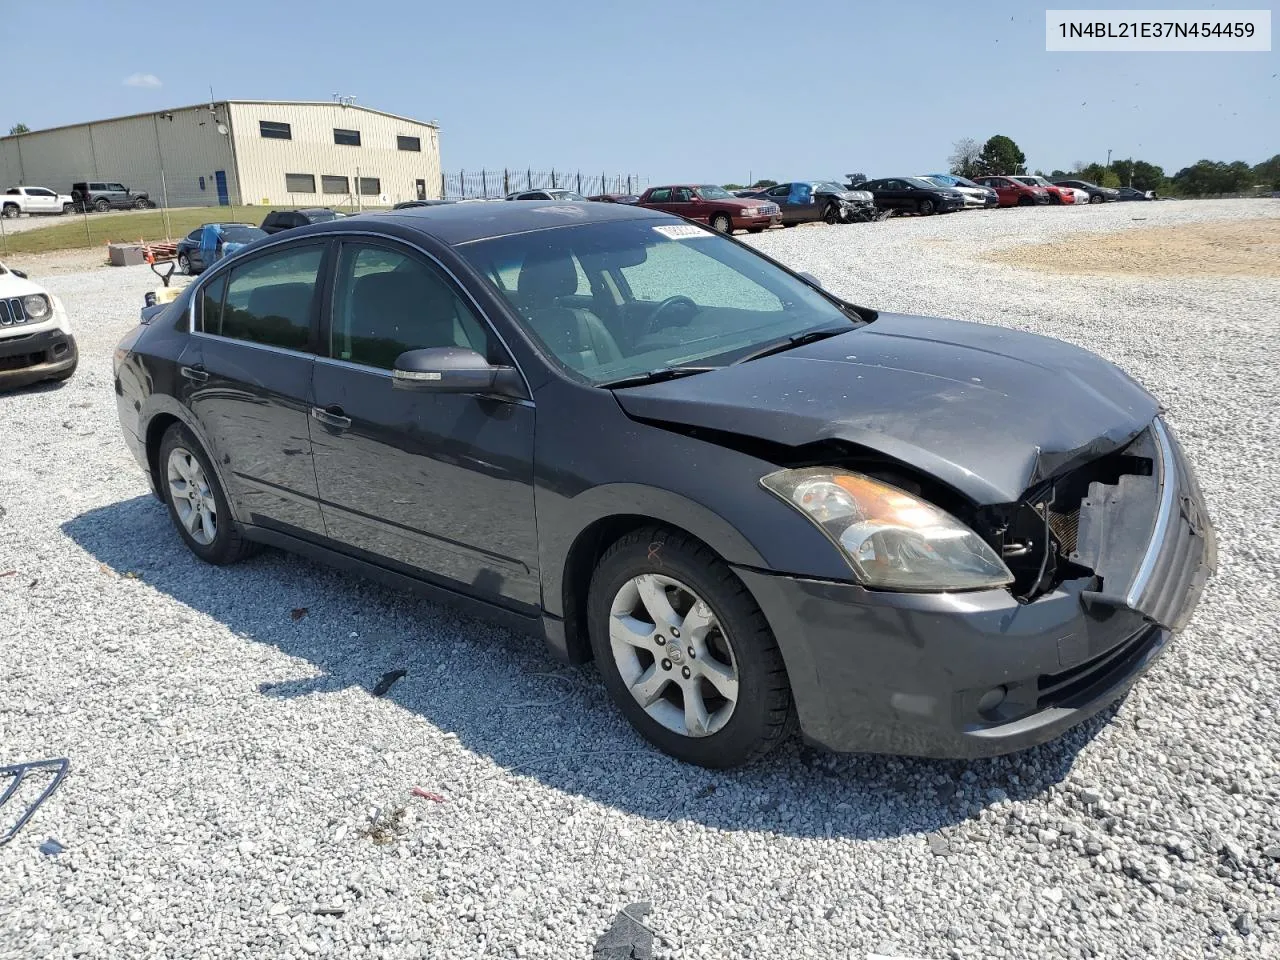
(18, 772)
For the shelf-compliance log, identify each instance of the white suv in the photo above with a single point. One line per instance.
(35, 335)
(33, 200)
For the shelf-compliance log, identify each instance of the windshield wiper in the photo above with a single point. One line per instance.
(654, 376)
(795, 340)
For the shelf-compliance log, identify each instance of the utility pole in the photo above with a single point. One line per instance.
(164, 188)
(1108, 159)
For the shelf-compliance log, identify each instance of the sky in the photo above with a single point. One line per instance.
(705, 91)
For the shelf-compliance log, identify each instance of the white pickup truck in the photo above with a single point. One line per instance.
(34, 200)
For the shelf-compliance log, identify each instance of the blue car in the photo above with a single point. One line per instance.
(210, 242)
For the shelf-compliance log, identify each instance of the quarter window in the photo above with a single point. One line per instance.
(275, 131)
(386, 302)
(299, 183)
(348, 138)
(269, 300)
(209, 306)
(409, 143)
(331, 184)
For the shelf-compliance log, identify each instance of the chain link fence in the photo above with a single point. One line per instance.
(472, 184)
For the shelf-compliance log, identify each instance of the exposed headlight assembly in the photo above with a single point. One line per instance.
(892, 540)
(37, 307)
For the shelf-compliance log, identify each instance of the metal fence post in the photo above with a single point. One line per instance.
(579, 181)
(628, 183)
(442, 187)
(462, 182)
(553, 178)
(484, 183)
(506, 182)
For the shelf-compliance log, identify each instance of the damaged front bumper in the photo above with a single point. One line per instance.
(981, 673)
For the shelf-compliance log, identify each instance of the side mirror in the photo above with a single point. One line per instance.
(20, 274)
(812, 279)
(453, 370)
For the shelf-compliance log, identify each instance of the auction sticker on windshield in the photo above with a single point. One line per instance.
(681, 231)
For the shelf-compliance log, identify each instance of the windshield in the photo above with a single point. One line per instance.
(709, 191)
(616, 299)
(320, 216)
(921, 182)
(827, 186)
(937, 182)
(242, 234)
(565, 195)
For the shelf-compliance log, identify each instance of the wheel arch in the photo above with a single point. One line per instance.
(158, 422)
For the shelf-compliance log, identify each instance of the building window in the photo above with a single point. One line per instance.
(334, 184)
(275, 131)
(299, 183)
(370, 186)
(348, 138)
(409, 143)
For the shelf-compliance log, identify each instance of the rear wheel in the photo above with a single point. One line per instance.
(10, 211)
(685, 651)
(925, 207)
(721, 223)
(102, 205)
(197, 504)
(184, 263)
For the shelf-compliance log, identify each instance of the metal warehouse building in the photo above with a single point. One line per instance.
(266, 152)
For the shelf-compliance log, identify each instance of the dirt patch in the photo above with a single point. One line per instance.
(1244, 248)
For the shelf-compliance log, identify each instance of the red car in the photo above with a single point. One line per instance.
(1056, 193)
(1014, 193)
(712, 205)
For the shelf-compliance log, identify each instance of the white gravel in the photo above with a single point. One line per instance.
(227, 757)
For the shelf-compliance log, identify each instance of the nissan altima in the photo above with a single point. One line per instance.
(754, 505)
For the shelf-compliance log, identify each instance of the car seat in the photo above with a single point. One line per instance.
(575, 335)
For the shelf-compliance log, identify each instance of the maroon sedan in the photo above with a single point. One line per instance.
(712, 205)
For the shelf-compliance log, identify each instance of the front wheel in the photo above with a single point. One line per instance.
(140, 203)
(926, 207)
(1095, 199)
(68, 209)
(831, 214)
(197, 504)
(755, 230)
(721, 223)
(685, 651)
(1026, 202)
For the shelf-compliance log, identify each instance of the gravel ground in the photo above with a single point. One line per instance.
(228, 752)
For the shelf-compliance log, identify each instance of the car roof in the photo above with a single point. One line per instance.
(458, 223)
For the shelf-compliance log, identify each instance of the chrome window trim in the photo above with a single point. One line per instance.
(210, 276)
(272, 348)
(1168, 481)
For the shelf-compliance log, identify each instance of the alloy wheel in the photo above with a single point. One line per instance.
(192, 496)
(673, 656)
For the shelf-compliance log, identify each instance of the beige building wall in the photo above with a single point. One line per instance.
(312, 152)
(196, 157)
(132, 151)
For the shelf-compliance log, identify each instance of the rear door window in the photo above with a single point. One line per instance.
(271, 299)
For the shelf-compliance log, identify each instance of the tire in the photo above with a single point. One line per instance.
(141, 203)
(68, 209)
(738, 649)
(793, 223)
(226, 545)
(10, 211)
(755, 230)
(721, 223)
(102, 205)
(1095, 198)
(184, 264)
(66, 374)
(1026, 202)
(925, 208)
(831, 215)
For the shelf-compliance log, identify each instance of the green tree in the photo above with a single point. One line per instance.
(1001, 155)
(19, 128)
(1207, 177)
(1268, 172)
(1092, 172)
(1110, 179)
(761, 184)
(1148, 176)
(1124, 171)
(964, 157)
(733, 186)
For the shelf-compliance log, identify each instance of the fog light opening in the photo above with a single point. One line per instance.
(990, 701)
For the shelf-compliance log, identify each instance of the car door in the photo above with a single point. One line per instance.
(37, 200)
(780, 194)
(119, 195)
(250, 370)
(660, 199)
(684, 204)
(438, 485)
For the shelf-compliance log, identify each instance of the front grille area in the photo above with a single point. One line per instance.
(1079, 684)
(12, 312)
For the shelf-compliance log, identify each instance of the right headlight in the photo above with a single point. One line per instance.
(892, 540)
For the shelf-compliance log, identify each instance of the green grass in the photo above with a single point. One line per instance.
(98, 229)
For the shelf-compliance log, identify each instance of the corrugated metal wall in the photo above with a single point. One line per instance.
(311, 150)
(130, 149)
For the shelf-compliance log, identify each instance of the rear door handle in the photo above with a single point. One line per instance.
(331, 416)
(196, 373)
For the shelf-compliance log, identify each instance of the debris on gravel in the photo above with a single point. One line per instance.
(237, 791)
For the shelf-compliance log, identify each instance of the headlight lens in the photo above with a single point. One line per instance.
(891, 539)
(37, 306)
(751, 212)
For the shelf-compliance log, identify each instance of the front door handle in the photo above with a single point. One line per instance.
(196, 373)
(331, 416)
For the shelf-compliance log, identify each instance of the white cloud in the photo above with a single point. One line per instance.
(142, 80)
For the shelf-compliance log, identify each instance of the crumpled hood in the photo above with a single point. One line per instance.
(987, 410)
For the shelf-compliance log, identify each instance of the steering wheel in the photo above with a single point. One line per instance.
(679, 300)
